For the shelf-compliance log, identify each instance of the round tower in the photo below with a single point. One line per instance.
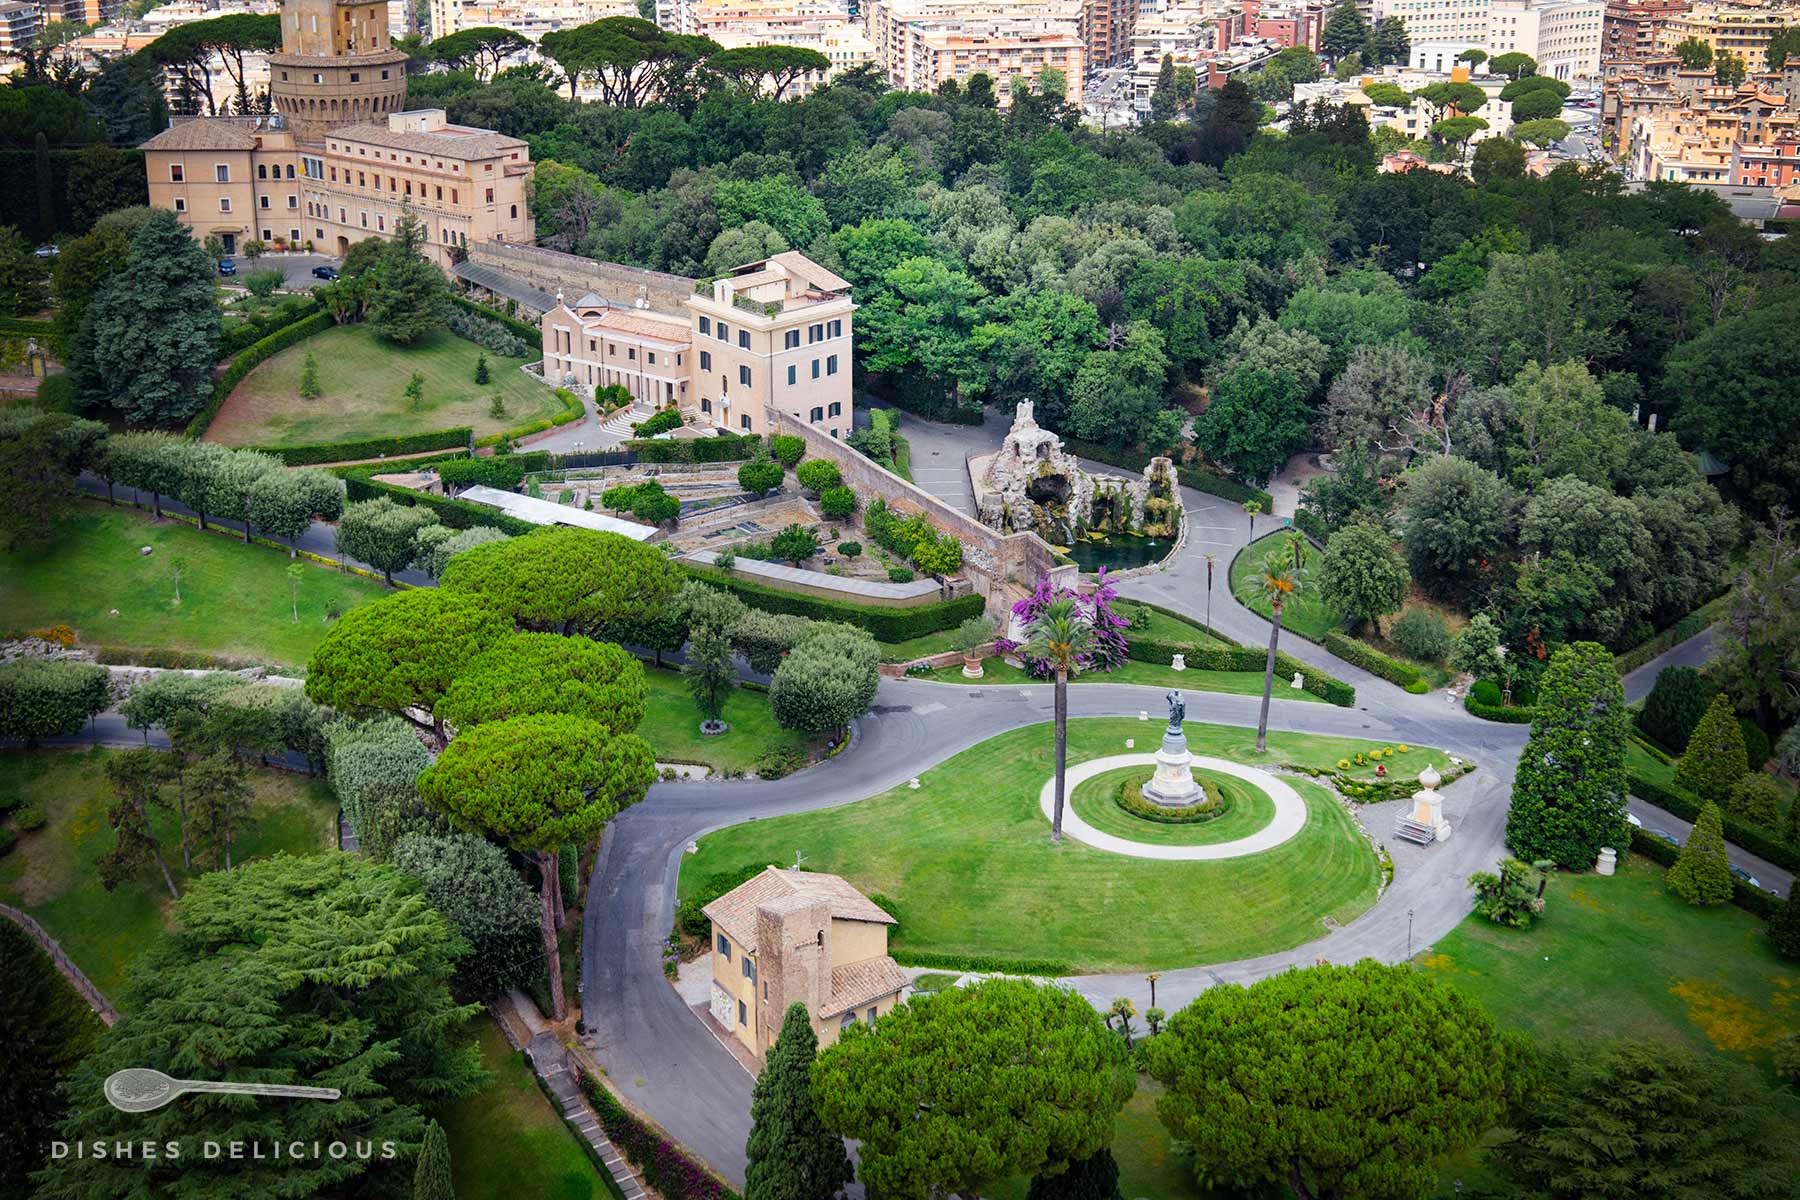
(336, 66)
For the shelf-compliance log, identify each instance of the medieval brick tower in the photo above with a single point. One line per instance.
(335, 66)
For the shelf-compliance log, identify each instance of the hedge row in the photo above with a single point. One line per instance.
(1198, 478)
(887, 624)
(457, 514)
(25, 327)
(1739, 832)
(1753, 900)
(1048, 967)
(247, 334)
(249, 359)
(665, 1164)
(1312, 525)
(531, 333)
(725, 447)
(1516, 715)
(1241, 658)
(1372, 660)
(365, 448)
(1696, 621)
(572, 410)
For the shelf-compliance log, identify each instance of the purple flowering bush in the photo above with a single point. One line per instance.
(1109, 627)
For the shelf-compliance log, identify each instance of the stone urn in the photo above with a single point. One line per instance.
(971, 668)
(1607, 862)
(1179, 663)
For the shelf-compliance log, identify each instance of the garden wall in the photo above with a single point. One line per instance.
(574, 275)
(990, 559)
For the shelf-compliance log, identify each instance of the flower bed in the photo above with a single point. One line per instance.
(1130, 798)
(666, 1165)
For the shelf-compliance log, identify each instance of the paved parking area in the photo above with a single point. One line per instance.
(297, 268)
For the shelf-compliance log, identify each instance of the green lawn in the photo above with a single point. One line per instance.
(234, 598)
(672, 726)
(1233, 683)
(1162, 627)
(1620, 957)
(969, 861)
(507, 1141)
(1149, 1164)
(1096, 802)
(51, 873)
(362, 380)
(1304, 612)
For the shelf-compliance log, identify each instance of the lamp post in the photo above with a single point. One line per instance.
(1409, 915)
(1210, 559)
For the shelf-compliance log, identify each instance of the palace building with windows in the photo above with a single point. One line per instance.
(341, 157)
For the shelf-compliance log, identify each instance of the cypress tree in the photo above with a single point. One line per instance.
(155, 326)
(1568, 798)
(1672, 710)
(792, 1155)
(1715, 758)
(1702, 875)
(431, 1179)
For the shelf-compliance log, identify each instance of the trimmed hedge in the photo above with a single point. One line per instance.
(1359, 654)
(1242, 658)
(1713, 610)
(1180, 616)
(457, 514)
(1753, 900)
(728, 447)
(1051, 967)
(1516, 715)
(666, 1164)
(26, 327)
(365, 448)
(531, 333)
(247, 334)
(886, 624)
(1738, 832)
(248, 360)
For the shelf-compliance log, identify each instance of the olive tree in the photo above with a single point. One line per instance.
(827, 681)
(1362, 574)
(380, 533)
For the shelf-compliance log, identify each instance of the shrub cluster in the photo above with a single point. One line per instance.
(1130, 798)
(489, 335)
(1361, 654)
(248, 333)
(665, 1165)
(724, 447)
(1422, 634)
(912, 538)
(530, 334)
(887, 624)
(661, 421)
(1207, 657)
(1740, 832)
(360, 484)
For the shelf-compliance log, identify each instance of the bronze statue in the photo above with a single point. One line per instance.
(1177, 710)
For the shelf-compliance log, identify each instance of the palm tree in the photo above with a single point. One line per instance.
(1277, 582)
(1063, 636)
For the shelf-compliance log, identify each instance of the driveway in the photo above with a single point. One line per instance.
(940, 454)
(296, 269)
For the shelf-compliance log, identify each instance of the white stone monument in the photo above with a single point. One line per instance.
(1174, 785)
(1428, 806)
(1608, 862)
(1179, 664)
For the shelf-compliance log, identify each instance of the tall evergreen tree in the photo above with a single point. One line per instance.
(45, 1029)
(431, 1178)
(406, 293)
(1345, 30)
(1165, 101)
(155, 327)
(1389, 42)
(1715, 758)
(1702, 875)
(1568, 798)
(792, 1155)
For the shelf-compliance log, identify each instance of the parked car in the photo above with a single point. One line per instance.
(48, 250)
(325, 273)
(227, 266)
(1747, 877)
(1664, 834)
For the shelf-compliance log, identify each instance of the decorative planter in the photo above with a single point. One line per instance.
(971, 668)
(713, 728)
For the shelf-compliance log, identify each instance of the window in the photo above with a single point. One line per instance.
(831, 364)
(222, 173)
(631, 353)
(793, 371)
(706, 406)
(791, 340)
(262, 170)
(440, 193)
(293, 201)
(743, 1014)
(175, 173)
(224, 203)
(871, 1016)
(724, 333)
(705, 360)
(652, 357)
(263, 201)
(384, 75)
(815, 333)
(744, 375)
(743, 339)
(515, 212)
(293, 235)
(380, 223)
(848, 1021)
(365, 219)
(748, 966)
(724, 947)
(837, 329)
(453, 198)
(490, 195)
(180, 204)
(744, 421)
(705, 325)
(355, 76)
(817, 414)
(268, 235)
(815, 368)
(837, 409)
(318, 78)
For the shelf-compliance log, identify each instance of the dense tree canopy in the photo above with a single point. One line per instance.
(547, 673)
(565, 580)
(401, 653)
(1569, 794)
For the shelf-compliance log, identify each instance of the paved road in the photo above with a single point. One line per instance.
(1695, 652)
(940, 454)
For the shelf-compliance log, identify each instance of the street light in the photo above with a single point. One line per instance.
(1210, 559)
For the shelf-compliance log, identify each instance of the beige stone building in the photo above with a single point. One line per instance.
(923, 44)
(805, 937)
(772, 334)
(1743, 29)
(341, 159)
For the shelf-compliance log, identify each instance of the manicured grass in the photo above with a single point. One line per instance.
(51, 873)
(1620, 958)
(968, 859)
(1162, 627)
(1304, 612)
(1150, 1165)
(672, 726)
(1250, 809)
(1233, 683)
(235, 598)
(362, 380)
(507, 1142)
(923, 646)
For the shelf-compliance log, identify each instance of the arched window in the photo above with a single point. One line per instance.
(515, 212)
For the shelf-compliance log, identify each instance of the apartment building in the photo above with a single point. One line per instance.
(339, 161)
(1415, 118)
(1564, 36)
(1106, 27)
(705, 16)
(1697, 138)
(845, 44)
(922, 44)
(18, 26)
(1774, 163)
(1744, 30)
(1631, 28)
(1287, 25)
(530, 20)
(774, 333)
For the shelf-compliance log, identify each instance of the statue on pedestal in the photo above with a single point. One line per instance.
(1174, 785)
(1177, 710)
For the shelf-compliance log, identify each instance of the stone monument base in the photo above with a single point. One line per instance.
(1174, 785)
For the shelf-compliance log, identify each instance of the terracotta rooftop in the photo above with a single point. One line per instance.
(459, 140)
(203, 134)
(858, 983)
(735, 911)
(642, 324)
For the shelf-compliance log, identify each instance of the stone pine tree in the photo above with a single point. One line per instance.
(1345, 31)
(1715, 758)
(1568, 797)
(792, 1155)
(431, 1178)
(1702, 875)
(155, 327)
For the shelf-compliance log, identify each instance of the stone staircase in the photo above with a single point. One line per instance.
(1417, 832)
(620, 423)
